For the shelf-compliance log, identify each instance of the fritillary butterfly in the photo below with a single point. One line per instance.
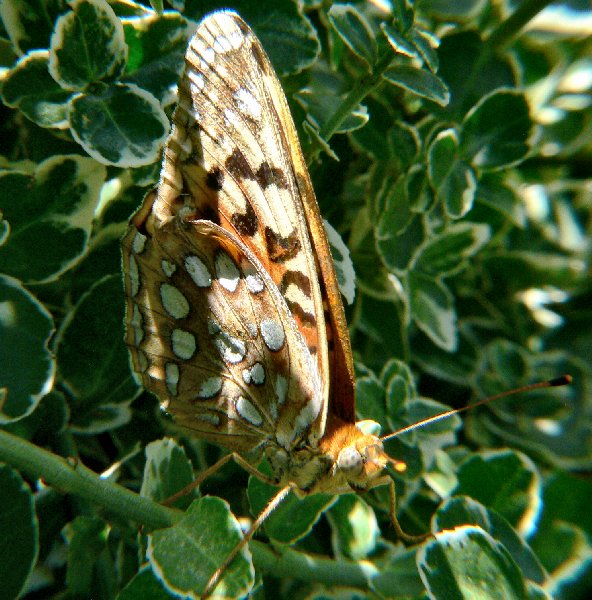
(234, 315)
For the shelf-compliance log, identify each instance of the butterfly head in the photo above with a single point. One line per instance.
(358, 459)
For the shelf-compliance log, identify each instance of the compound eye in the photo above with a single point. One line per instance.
(350, 461)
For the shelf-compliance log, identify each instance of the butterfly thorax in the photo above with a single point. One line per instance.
(345, 460)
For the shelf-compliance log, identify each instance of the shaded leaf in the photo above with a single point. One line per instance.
(51, 209)
(421, 82)
(468, 563)
(87, 45)
(447, 253)
(185, 556)
(432, 310)
(30, 88)
(495, 132)
(27, 368)
(20, 544)
(122, 125)
(354, 30)
(294, 517)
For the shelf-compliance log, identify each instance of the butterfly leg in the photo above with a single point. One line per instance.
(238, 459)
(271, 506)
(405, 537)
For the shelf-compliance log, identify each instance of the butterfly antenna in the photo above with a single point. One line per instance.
(557, 382)
(271, 506)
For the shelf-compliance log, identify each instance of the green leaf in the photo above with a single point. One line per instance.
(185, 556)
(156, 45)
(571, 558)
(393, 208)
(103, 258)
(441, 475)
(459, 511)
(399, 384)
(317, 141)
(281, 26)
(437, 434)
(344, 268)
(4, 230)
(87, 540)
(426, 44)
(122, 125)
(383, 323)
(27, 368)
(421, 82)
(561, 538)
(546, 425)
(48, 420)
(87, 45)
(158, 6)
(403, 14)
(453, 179)
(93, 360)
(458, 368)
(396, 249)
(20, 538)
(167, 470)
(446, 254)
(432, 310)
(404, 143)
(50, 213)
(30, 88)
(29, 23)
(355, 31)
(418, 446)
(496, 131)
(145, 586)
(354, 527)
(501, 197)
(468, 74)
(375, 282)
(399, 41)
(468, 563)
(396, 231)
(506, 481)
(459, 10)
(370, 399)
(294, 517)
(565, 496)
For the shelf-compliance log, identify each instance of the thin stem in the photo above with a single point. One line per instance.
(291, 563)
(507, 30)
(505, 33)
(365, 86)
(74, 478)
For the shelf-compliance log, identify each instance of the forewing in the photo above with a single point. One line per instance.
(234, 158)
(212, 337)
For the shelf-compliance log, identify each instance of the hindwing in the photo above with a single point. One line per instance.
(213, 338)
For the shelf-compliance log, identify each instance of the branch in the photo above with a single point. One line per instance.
(74, 478)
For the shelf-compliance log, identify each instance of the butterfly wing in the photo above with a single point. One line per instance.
(234, 158)
(213, 338)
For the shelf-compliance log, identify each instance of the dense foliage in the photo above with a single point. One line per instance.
(450, 146)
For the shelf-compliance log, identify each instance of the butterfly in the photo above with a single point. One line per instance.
(233, 312)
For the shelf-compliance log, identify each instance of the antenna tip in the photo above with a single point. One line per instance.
(559, 381)
(398, 465)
